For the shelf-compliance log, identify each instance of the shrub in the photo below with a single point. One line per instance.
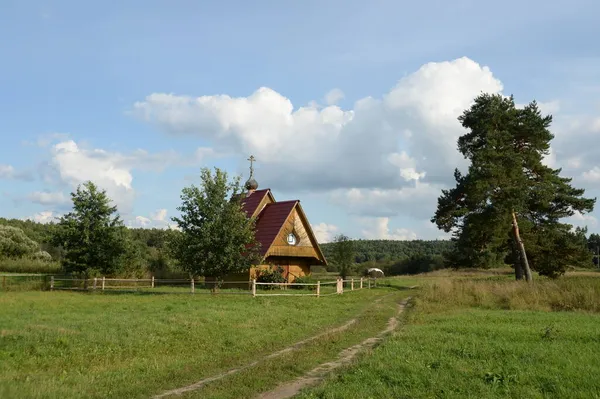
(42, 256)
(271, 275)
(304, 280)
(15, 244)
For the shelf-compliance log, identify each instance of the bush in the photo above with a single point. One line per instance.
(271, 275)
(304, 280)
(42, 256)
(15, 244)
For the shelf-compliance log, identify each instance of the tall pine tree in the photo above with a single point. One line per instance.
(509, 205)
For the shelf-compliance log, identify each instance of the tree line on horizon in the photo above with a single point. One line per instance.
(507, 209)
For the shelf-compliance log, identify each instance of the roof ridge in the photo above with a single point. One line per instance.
(283, 202)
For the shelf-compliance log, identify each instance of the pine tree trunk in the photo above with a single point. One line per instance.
(521, 246)
(517, 261)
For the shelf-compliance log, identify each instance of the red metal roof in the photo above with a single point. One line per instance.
(270, 221)
(251, 201)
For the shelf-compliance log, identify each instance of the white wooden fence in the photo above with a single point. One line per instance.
(252, 287)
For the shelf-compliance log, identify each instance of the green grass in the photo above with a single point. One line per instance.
(485, 338)
(29, 266)
(68, 345)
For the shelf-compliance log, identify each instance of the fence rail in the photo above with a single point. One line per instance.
(194, 286)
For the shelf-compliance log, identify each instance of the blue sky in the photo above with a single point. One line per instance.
(349, 106)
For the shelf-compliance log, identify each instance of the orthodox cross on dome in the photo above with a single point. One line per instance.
(251, 184)
(251, 159)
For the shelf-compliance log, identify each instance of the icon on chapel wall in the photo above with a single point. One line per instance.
(291, 239)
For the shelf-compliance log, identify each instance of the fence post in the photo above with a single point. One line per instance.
(318, 288)
(253, 287)
(369, 283)
(95, 282)
(103, 282)
(152, 281)
(193, 286)
(51, 283)
(352, 285)
(361, 283)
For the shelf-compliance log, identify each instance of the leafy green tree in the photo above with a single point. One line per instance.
(343, 254)
(217, 238)
(593, 244)
(15, 244)
(92, 234)
(509, 197)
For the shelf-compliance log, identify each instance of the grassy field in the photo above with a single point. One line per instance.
(68, 345)
(29, 266)
(485, 338)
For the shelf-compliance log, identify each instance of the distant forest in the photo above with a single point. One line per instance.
(149, 254)
(149, 250)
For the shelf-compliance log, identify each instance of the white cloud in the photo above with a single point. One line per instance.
(48, 198)
(329, 148)
(324, 232)
(44, 217)
(383, 157)
(75, 165)
(159, 216)
(334, 96)
(378, 229)
(592, 175)
(157, 219)
(6, 171)
(580, 219)
(418, 201)
(550, 107)
(142, 221)
(9, 172)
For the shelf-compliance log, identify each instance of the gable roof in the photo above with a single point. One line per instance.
(252, 200)
(270, 221)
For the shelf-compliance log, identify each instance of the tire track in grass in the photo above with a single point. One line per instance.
(297, 345)
(345, 357)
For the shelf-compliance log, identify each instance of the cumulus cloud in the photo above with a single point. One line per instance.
(156, 219)
(378, 229)
(328, 148)
(383, 157)
(6, 171)
(142, 221)
(334, 96)
(48, 198)
(44, 217)
(324, 232)
(73, 164)
(159, 216)
(9, 172)
(592, 175)
(582, 220)
(418, 201)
